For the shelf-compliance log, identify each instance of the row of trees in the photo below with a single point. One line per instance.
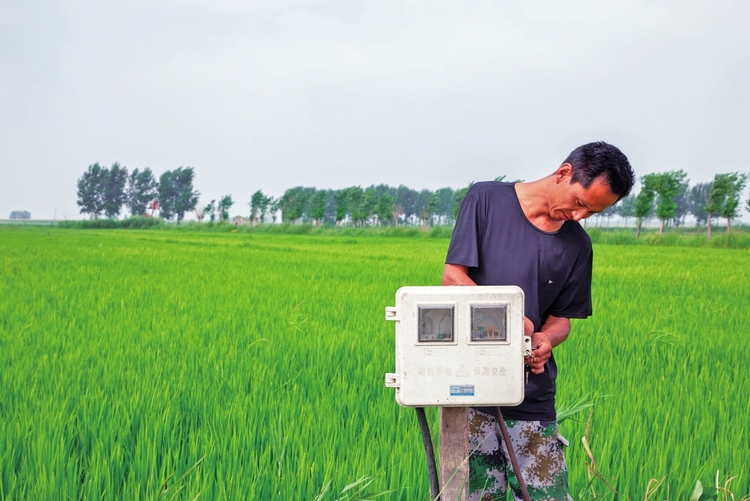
(104, 191)
(669, 197)
(666, 195)
(374, 205)
(20, 214)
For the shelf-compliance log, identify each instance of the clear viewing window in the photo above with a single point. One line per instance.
(488, 323)
(435, 324)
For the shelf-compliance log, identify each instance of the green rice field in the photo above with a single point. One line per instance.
(216, 366)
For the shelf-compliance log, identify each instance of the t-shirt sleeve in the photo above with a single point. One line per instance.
(574, 301)
(464, 246)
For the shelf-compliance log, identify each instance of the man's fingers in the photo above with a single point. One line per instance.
(528, 326)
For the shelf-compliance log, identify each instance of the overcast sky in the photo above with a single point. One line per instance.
(271, 95)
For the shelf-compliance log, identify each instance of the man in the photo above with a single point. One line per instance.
(527, 234)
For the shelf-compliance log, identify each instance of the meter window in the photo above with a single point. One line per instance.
(436, 324)
(488, 323)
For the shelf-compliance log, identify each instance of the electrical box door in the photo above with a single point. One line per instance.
(459, 346)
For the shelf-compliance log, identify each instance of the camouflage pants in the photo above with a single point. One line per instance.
(539, 451)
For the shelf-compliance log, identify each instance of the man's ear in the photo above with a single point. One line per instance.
(565, 171)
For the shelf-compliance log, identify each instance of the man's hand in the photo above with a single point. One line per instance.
(554, 331)
(456, 274)
(528, 327)
(541, 350)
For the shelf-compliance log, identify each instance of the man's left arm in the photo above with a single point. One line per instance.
(552, 333)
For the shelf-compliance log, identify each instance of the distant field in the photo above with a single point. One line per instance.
(147, 365)
(27, 222)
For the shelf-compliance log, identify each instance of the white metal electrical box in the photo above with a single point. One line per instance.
(459, 346)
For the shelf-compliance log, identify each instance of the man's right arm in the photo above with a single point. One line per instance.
(456, 274)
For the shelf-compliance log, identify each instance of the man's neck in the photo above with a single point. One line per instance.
(535, 205)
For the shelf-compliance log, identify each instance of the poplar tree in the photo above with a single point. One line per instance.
(293, 203)
(176, 194)
(91, 190)
(668, 186)
(367, 206)
(354, 202)
(225, 203)
(113, 195)
(340, 198)
(724, 197)
(626, 208)
(258, 206)
(731, 205)
(140, 191)
(644, 202)
(697, 202)
(405, 198)
(318, 205)
(384, 208)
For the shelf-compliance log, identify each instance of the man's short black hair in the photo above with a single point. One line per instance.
(601, 159)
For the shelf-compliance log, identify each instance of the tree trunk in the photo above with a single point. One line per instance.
(708, 223)
(729, 225)
(638, 232)
(661, 228)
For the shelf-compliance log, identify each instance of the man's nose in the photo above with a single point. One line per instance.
(580, 214)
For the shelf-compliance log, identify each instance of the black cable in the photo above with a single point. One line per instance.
(429, 454)
(511, 453)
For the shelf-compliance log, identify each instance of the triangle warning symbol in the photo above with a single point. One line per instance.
(462, 372)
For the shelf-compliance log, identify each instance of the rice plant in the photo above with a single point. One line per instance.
(171, 365)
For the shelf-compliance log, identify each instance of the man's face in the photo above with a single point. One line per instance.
(572, 202)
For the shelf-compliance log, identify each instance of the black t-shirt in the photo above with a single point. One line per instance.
(500, 246)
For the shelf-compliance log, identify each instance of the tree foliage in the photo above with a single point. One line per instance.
(114, 196)
(354, 197)
(644, 202)
(724, 197)
(259, 205)
(697, 200)
(102, 190)
(406, 198)
(667, 186)
(458, 197)
(731, 206)
(367, 206)
(341, 199)
(318, 205)
(384, 208)
(293, 203)
(176, 193)
(430, 208)
(444, 208)
(683, 205)
(225, 203)
(626, 207)
(608, 213)
(91, 191)
(142, 188)
(210, 209)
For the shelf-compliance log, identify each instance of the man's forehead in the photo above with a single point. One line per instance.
(598, 196)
